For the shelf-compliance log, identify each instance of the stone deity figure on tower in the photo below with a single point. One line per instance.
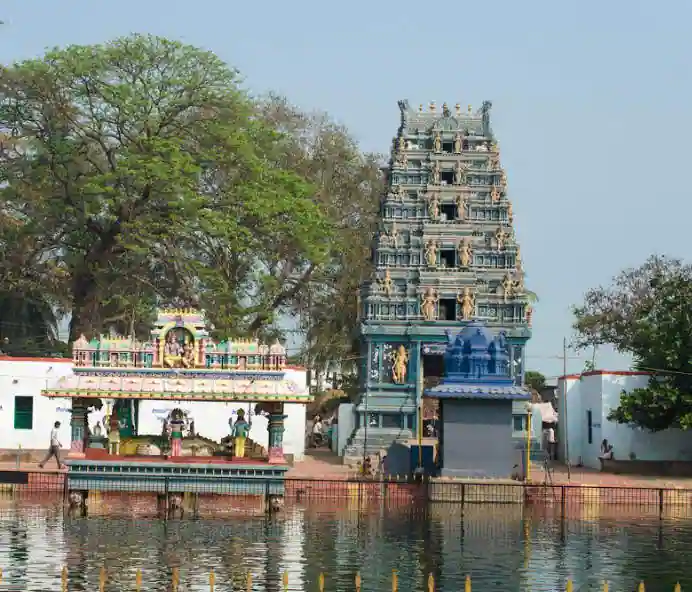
(462, 206)
(458, 143)
(468, 304)
(465, 252)
(399, 365)
(460, 173)
(435, 173)
(433, 205)
(429, 300)
(431, 253)
(437, 143)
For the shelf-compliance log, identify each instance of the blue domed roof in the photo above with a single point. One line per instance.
(475, 354)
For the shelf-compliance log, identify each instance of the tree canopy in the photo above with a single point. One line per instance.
(139, 172)
(646, 313)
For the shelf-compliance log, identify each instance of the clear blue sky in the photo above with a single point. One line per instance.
(591, 105)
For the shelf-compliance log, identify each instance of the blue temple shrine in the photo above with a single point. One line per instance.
(445, 255)
(477, 398)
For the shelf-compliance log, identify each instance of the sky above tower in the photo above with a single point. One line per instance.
(590, 106)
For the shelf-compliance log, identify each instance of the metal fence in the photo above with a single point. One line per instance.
(355, 492)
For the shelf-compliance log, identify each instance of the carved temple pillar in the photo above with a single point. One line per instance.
(78, 425)
(276, 435)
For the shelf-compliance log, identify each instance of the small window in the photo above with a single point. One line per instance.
(447, 309)
(23, 413)
(447, 258)
(519, 423)
(447, 177)
(589, 426)
(449, 211)
(448, 147)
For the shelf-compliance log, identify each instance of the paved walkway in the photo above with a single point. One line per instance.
(585, 476)
(324, 464)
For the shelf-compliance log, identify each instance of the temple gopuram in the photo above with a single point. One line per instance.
(179, 364)
(445, 255)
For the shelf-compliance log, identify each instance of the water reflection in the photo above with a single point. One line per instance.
(504, 548)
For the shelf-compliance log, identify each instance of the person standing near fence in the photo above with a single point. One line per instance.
(54, 448)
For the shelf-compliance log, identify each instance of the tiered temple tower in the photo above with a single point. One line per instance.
(445, 254)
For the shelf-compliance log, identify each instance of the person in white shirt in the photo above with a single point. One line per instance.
(54, 449)
(550, 441)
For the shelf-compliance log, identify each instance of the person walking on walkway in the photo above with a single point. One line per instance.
(54, 449)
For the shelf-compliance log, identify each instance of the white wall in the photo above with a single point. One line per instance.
(26, 379)
(569, 420)
(600, 393)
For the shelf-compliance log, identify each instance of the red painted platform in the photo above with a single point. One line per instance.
(100, 454)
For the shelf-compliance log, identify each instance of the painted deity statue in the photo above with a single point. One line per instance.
(172, 352)
(176, 425)
(437, 144)
(462, 206)
(465, 252)
(433, 206)
(458, 143)
(436, 173)
(239, 433)
(468, 304)
(114, 433)
(399, 365)
(431, 253)
(429, 300)
(188, 360)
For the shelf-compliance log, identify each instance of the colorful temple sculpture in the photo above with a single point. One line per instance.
(477, 396)
(183, 365)
(445, 255)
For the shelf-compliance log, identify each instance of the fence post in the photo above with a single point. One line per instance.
(660, 503)
(463, 494)
(563, 500)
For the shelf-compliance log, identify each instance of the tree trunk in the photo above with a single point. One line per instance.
(83, 292)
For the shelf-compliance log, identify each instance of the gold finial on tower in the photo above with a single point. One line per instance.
(432, 106)
(469, 109)
(457, 107)
(420, 108)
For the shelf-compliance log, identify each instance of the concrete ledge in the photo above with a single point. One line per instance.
(649, 468)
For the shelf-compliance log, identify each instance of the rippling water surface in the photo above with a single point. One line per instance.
(503, 548)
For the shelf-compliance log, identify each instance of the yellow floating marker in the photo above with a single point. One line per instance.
(677, 588)
(467, 585)
(138, 580)
(285, 580)
(63, 578)
(569, 586)
(102, 579)
(358, 581)
(212, 580)
(431, 583)
(395, 581)
(0, 574)
(605, 586)
(248, 585)
(641, 587)
(320, 582)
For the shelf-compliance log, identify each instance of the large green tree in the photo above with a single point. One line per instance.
(146, 175)
(348, 185)
(646, 313)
